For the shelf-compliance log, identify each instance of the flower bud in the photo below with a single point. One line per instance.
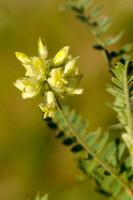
(42, 49)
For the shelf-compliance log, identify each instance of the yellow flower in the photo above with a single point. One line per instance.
(30, 87)
(56, 81)
(50, 108)
(35, 67)
(68, 84)
(55, 76)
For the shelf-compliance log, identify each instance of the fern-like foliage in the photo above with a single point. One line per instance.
(123, 105)
(98, 25)
(112, 153)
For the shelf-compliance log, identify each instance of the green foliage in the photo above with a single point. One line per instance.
(104, 160)
(123, 105)
(123, 91)
(98, 25)
(111, 152)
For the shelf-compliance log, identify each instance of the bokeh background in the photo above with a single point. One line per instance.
(31, 159)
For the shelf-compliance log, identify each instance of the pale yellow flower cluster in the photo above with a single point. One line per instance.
(53, 77)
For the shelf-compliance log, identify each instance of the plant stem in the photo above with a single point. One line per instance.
(90, 151)
(127, 100)
(128, 111)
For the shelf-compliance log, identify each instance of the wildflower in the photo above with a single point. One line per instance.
(30, 87)
(56, 81)
(50, 108)
(35, 67)
(57, 76)
(65, 80)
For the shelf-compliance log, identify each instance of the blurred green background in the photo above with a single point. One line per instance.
(31, 159)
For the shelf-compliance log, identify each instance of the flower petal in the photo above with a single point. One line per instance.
(70, 65)
(61, 56)
(19, 84)
(23, 57)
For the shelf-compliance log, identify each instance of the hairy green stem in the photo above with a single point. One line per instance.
(90, 151)
(127, 100)
(128, 111)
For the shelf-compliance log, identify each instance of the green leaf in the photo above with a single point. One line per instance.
(80, 2)
(108, 183)
(115, 91)
(118, 82)
(97, 148)
(118, 71)
(104, 27)
(72, 5)
(130, 78)
(66, 6)
(117, 126)
(87, 4)
(82, 128)
(113, 106)
(123, 93)
(95, 12)
(100, 21)
(116, 188)
(92, 137)
(110, 151)
(110, 40)
(123, 196)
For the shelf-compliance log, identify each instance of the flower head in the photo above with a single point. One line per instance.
(55, 77)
